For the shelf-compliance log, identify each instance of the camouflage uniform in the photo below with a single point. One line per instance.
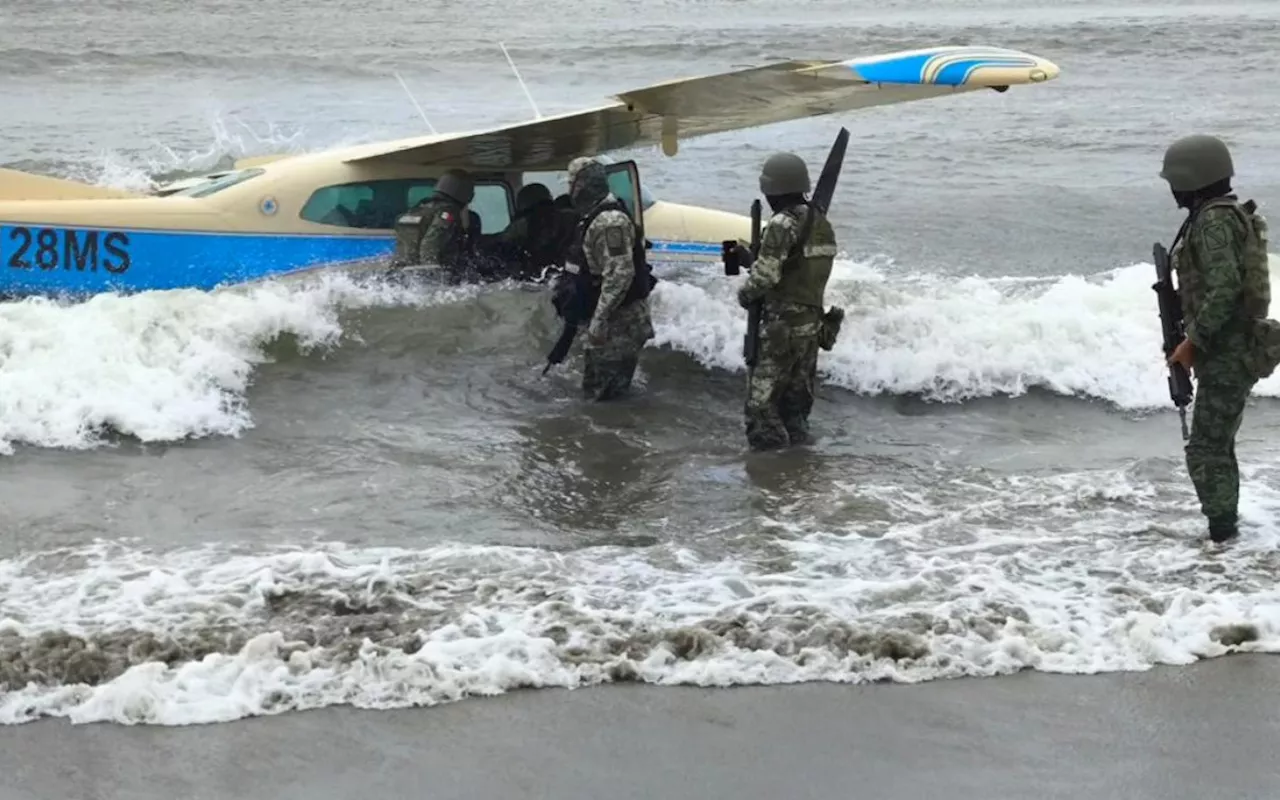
(437, 231)
(606, 245)
(790, 276)
(1224, 287)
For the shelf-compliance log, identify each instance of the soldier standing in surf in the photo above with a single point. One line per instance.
(1220, 256)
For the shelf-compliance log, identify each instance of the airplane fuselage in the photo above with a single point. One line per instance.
(272, 221)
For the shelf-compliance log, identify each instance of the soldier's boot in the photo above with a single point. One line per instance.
(620, 373)
(801, 438)
(605, 380)
(764, 433)
(1223, 530)
(761, 440)
(797, 430)
(594, 376)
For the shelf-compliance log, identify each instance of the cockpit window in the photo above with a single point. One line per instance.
(558, 183)
(219, 182)
(377, 204)
(646, 198)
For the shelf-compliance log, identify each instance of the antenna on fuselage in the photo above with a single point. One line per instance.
(536, 112)
(414, 100)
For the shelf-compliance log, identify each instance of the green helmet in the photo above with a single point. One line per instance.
(1194, 162)
(588, 182)
(531, 195)
(457, 183)
(784, 173)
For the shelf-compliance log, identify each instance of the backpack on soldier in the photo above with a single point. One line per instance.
(1264, 334)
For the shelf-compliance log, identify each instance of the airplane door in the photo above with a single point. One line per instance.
(624, 182)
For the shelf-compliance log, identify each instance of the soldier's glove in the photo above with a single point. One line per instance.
(830, 328)
(745, 296)
(743, 254)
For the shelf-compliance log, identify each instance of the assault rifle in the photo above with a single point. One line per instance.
(733, 266)
(575, 306)
(821, 200)
(1173, 328)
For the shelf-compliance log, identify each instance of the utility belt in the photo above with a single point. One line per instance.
(828, 324)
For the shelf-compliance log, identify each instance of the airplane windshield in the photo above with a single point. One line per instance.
(219, 182)
(558, 183)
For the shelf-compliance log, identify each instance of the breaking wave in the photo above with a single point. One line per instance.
(164, 366)
(1081, 572)
(160, 366)
(144, 170)
(953, 339)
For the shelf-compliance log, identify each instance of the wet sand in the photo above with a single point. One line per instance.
(1209, 730)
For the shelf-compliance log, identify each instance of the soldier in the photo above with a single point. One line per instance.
(1220, 257)
(797, 250)
(539, 235)
(607, 267)
(438, 231)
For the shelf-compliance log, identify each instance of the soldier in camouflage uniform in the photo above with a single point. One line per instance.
(797, 250)
(438, 231)
(606, 261)
(1220, 257)
(539, 235)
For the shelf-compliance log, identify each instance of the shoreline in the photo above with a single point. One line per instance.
(1169, 732)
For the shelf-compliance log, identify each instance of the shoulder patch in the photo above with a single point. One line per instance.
(446, 216)
(1217, 235)
(778, 233)
(614, 241)
(783, 220)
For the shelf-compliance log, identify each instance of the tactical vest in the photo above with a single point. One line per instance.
(808, 266)
(643, 281)
(412, 225)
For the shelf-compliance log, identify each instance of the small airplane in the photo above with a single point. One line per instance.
(281, 216)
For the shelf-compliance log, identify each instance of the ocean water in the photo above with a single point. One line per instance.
(219, 505)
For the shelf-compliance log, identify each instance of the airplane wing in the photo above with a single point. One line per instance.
(666, 112)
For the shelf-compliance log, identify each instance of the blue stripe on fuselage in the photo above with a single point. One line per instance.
(55, 260)
(685, 248)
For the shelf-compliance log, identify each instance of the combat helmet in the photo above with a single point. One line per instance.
(530, 195)
(588, 182)
(1194, 162)
(457, 183)
(784, 173)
